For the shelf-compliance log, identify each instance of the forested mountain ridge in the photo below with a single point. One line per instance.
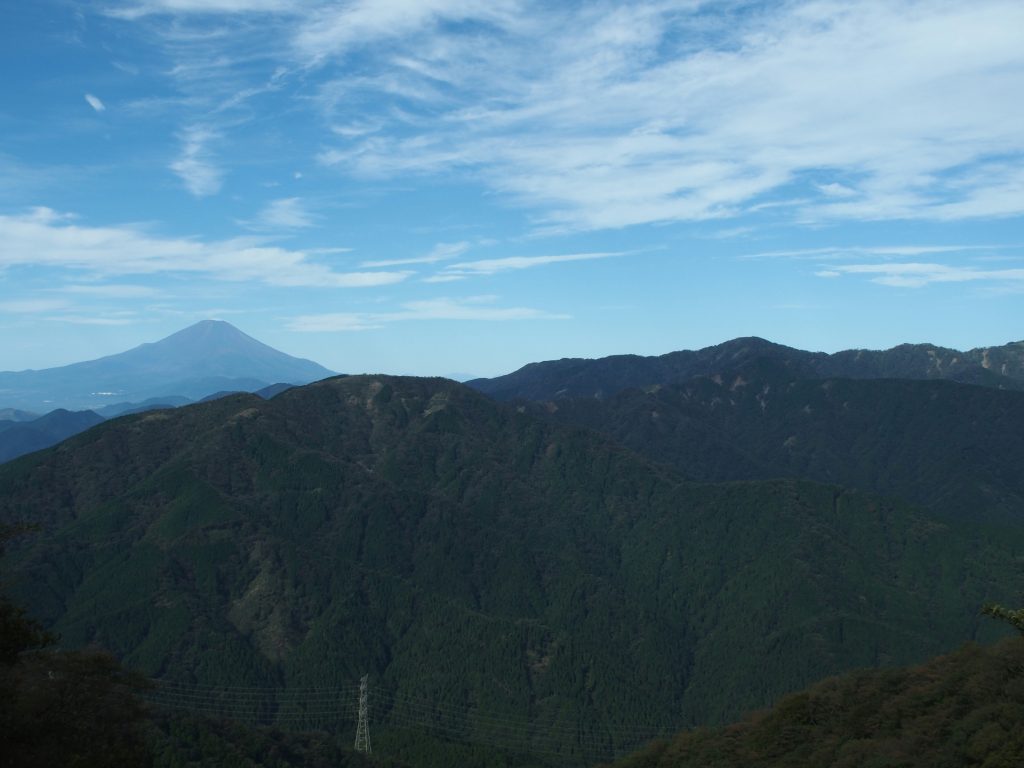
(1001, 367)
(472, 555)
(957, 710)
(951, 447)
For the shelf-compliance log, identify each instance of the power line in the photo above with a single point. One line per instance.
(363, 727)
(315, 706)
(424, 706)
(523, 734)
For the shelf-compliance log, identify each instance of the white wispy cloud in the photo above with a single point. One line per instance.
(336, 321)
(135, 9)
(126, 66)
(920, 274)
(835, 189)
(194, 165)
(101, 320)
(111, 290)
(603, 116)
(336, 28)
(31, 306)
(444, 278)
(153, 106)
(286, 213)
(45, 238)
(505, 264)
(478, 308)
(275, 82)
(62, 311)
(95, 102)
(355, 129)
(860, 251)
(440, 252)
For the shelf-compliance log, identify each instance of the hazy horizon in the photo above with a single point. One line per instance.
(456, 375)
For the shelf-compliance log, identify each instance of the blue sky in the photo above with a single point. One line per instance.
(464, 186)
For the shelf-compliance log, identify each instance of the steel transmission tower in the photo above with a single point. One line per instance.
(363, 726)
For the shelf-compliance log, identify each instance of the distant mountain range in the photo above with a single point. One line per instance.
(933, 426)
(31, 432)
(205, 361)
(208, 357)
(1001, 367)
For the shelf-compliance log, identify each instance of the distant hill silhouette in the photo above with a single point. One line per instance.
(18, 438)
(207, 357)
(14, 415)
(1001, 367)
(25, 437)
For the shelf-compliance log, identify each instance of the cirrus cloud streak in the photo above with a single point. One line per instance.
(472, 309)
(662, 111)
(44, 238)
(920, 274)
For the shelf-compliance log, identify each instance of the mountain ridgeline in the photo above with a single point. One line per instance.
(484, 565)
(1001, 367)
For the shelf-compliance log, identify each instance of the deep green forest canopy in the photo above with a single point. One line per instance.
(476, 558)
(952, 448)
(962, 710)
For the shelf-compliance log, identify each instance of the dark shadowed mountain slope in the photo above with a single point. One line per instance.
(28, 436)
(955, 448)
(483, 566)
(963, 709)
(1001, 367)
(207, 357)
